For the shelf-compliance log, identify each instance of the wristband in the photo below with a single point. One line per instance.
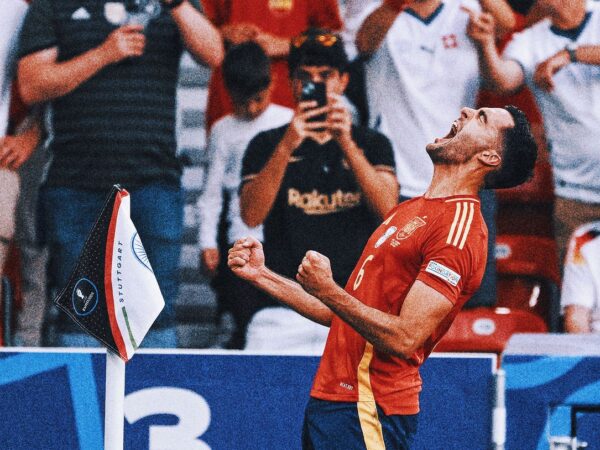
(171, 4)
(572, 52)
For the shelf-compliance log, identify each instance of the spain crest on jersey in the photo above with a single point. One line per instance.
(410, 228)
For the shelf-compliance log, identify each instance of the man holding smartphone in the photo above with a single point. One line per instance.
(316, 183)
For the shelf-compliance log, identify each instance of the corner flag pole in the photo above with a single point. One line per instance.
(114, 414)
(115, 298)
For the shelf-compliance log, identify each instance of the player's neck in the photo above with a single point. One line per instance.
(425, 8)
(453, 180)
(569, 16)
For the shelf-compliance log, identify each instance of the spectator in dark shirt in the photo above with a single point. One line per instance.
(317, 182)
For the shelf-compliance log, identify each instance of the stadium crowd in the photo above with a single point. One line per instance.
(88, 100)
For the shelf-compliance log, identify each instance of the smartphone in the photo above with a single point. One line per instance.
(315, 92)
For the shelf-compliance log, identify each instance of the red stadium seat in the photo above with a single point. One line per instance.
(526, 255)
(525, 218)
(528, 276)
(488, 329)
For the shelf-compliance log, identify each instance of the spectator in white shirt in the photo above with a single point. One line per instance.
(559, 59)
(580, 296)
(247, 76)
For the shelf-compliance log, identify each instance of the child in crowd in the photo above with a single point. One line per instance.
(247, 77)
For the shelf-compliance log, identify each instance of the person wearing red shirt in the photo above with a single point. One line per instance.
(416, 272)
(271, 23)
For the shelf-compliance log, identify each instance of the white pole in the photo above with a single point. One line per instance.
(499, 412)
(113, 404)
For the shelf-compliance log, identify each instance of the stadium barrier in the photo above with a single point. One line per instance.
(552, 391)
(200, 400)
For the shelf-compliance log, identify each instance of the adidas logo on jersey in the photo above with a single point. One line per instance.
(81, 14)
(463, 217)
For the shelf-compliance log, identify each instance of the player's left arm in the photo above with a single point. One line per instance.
(453, 253)
(199, 35)
(423, 310)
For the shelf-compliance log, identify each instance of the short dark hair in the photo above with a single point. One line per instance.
(246, 70)
(317, 47)
(518, 155)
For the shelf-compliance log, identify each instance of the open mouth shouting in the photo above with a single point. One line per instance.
(451, 134)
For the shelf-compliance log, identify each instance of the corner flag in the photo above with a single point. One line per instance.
(113, 293)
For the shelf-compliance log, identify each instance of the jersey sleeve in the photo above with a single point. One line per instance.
(38, 32)
(256, 156)
(578, 286)
(578, 281)
(378, 150)
(210, 203)
(455, 252)
(215, 11)
(325, 14)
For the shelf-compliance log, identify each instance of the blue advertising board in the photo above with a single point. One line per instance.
(200, 400)
(548, 395)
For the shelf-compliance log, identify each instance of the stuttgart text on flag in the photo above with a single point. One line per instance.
(113, 293)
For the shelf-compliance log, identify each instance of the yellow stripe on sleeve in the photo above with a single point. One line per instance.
(468, 226)
(463, 217)
(454, 222)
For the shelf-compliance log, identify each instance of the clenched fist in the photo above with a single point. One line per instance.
(246, 258)
(314, 273)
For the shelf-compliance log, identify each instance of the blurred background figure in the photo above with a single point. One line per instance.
(557, 58)
(580, 296)
(270, 23)
(110, 75)
(354, 14)
(247, 76)
(317, 182)
(19, 136)
(421, 69)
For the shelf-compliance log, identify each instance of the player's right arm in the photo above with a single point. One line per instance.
(502, 75)
(373, 30)
(246, 259)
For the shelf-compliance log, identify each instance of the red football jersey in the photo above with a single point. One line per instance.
(441, 242)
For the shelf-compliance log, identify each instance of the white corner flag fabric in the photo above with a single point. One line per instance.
(113, 293)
